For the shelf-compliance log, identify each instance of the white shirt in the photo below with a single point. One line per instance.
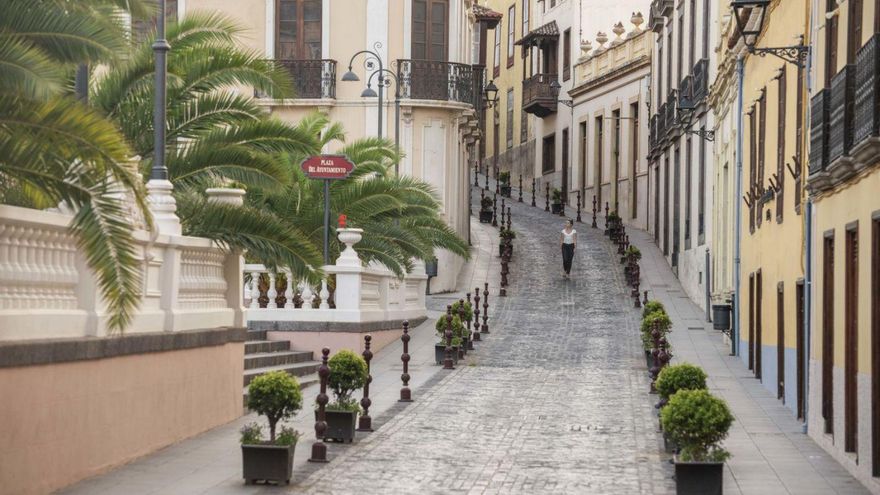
(568, 238)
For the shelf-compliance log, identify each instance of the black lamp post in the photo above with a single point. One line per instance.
(372, 58)
(160, 49)
(743, 12)
(384, 80)
(687, 108)
(556, 87)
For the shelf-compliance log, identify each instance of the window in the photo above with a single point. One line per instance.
(298, 30)
(565, 151)
(692, 31)
(142, 29)
(762, 148)
(429, 29)
(598, 128)
(511, 33)
(676, 206)
(680, 54)
(828, 333)
(752, 174)
(634, 145)
(566, 55)
(830, 43)
(799, 133)
(780, 146)
(701, 193)
(687, 192)
(706, 28)
(582, 156)
(659, 71)
(548, 154)
(497, 56)
(851, 342)
(510, 118)
(523, 127)
(669, 46)
(854, 30)
(525, 16)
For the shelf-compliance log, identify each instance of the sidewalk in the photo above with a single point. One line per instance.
(211, 462)
(770, 453)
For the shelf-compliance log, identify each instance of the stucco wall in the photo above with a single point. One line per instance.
(60, 423)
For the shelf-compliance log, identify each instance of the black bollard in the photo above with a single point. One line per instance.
(606, 214)
(465, 342)
(447, 358)
(486, 187)
(476, 174)
(593, 225)
(533, 192)
(578, 206)
(645, 300)
(502, 212)
(485, 328)
(495, 210)
(365, 422)
(319, 448)
(547, 198)
(476, 330)
(508, 218)
(655, 353)
(405, 393)
(469, 321)
(520, 188)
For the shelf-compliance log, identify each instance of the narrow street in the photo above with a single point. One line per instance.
(553, 401)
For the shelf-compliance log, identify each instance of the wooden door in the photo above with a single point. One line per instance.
(875, 346)
(298, 29)
(759, 319)
(851, 343)
(430, 24)
(752, 321)
(780, 342)
(828, 334)
(565, 139)
(801, 358)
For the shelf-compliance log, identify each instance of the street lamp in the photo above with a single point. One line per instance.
(490, 94)
(743, 11)
(371, 59)
(555, 87)
(384, 80)
(686, 110)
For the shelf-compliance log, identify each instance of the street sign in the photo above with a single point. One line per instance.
(327, 167)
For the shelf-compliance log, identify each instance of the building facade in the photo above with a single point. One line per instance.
(843, 183)
(683, 63)
(772, 302)
(610, 96)
(429, 45)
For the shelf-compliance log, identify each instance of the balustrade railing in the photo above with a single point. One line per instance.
(312, 78)
(444, 81)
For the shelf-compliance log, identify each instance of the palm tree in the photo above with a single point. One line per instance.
(55, 150)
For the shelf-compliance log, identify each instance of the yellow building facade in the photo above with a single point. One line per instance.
(772, 229)
(844, 186)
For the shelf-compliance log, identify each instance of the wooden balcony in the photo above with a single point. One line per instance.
(312, 79)
(539, 99)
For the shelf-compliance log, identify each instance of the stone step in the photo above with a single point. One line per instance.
(277, 358)
(256, 346)
(305, 382)
(294, 369)
(257, 335)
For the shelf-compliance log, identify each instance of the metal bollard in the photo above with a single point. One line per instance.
(319, 448)
(405, 393)
(365, 422)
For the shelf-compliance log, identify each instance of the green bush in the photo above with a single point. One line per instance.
(275, 395)
(557, 196)
(486, 203)
(251, 434)
(682, 376)
(652, 306)
(288, 436)
(468, 310)
(348, 372)
(647, 326)
(504, 177)
(507, 234)
(633, 252)
(697, 422)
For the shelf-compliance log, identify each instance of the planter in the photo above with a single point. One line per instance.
(556, 208)
(649, 359)
(699, 478)
(501, 250)
(505, 191)
(485, 216)
(440, 353)
(340, 425)
(669, 446)
(267, 462)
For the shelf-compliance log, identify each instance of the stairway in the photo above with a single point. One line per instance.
(262, 356)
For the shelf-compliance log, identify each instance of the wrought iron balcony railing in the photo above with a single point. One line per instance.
(867, 104)
(840, 124)
(444, 81)
(312, 78)
(539, 98)
(819, 132)
(701, 79)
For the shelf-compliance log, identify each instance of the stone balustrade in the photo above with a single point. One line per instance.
(48, 291)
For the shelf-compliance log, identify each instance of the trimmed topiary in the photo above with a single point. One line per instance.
(648, 325)
(348, 372)
(458, 328)
(697, 422)
(652, 306)
(677, 377)
(275, 395)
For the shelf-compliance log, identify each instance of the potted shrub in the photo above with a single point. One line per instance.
(631, 255)
(556, 202)
(277, 396)
(504, 179)
(486, 210)
(697, 422)
(348, 372)
(673, 378)
(652, 306)
(507, 237)
(647, 327)
(457, 330)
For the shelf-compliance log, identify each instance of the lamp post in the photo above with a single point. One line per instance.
(371, 59)
(384, 80)
(490, 99)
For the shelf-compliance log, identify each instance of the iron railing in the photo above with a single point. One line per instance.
(653, 131)
(819, 132)
(312, 78)
(701, 79)
(686, 97)
(867, 99)
(840, 123)
(671, 104)
(444, 81)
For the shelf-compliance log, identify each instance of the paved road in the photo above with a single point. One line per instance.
(554, 401)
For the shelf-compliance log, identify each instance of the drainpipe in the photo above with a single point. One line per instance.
(708, 287)
(808, 270)
(734, 344)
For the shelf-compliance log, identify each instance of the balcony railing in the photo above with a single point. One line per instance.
(445, 81)
(671, 104)
(661, 122)
(840, 125)
(538, 97)
(701, 79)
(867, 104)
(653, 131)
(685, 92)
(312, 78)
(819, 132)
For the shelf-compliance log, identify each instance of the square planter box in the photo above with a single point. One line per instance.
(501, 250)
(267, 462)
(440, 353)
(340, 425)
(649, 359)
(698, 478)
(485, 216)
(556, 208)
(505, 191)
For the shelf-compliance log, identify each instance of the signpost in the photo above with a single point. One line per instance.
(327, 168)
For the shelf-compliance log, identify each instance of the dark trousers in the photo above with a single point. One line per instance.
(567, 256)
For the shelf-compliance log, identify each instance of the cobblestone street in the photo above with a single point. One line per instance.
(553, 401)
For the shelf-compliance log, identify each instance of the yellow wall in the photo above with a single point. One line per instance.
(777, 249)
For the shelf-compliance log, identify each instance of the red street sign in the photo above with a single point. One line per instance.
(327, 167)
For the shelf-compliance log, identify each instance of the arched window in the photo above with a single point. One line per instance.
(298, 29)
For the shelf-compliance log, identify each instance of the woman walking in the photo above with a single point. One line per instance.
(568, 241)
